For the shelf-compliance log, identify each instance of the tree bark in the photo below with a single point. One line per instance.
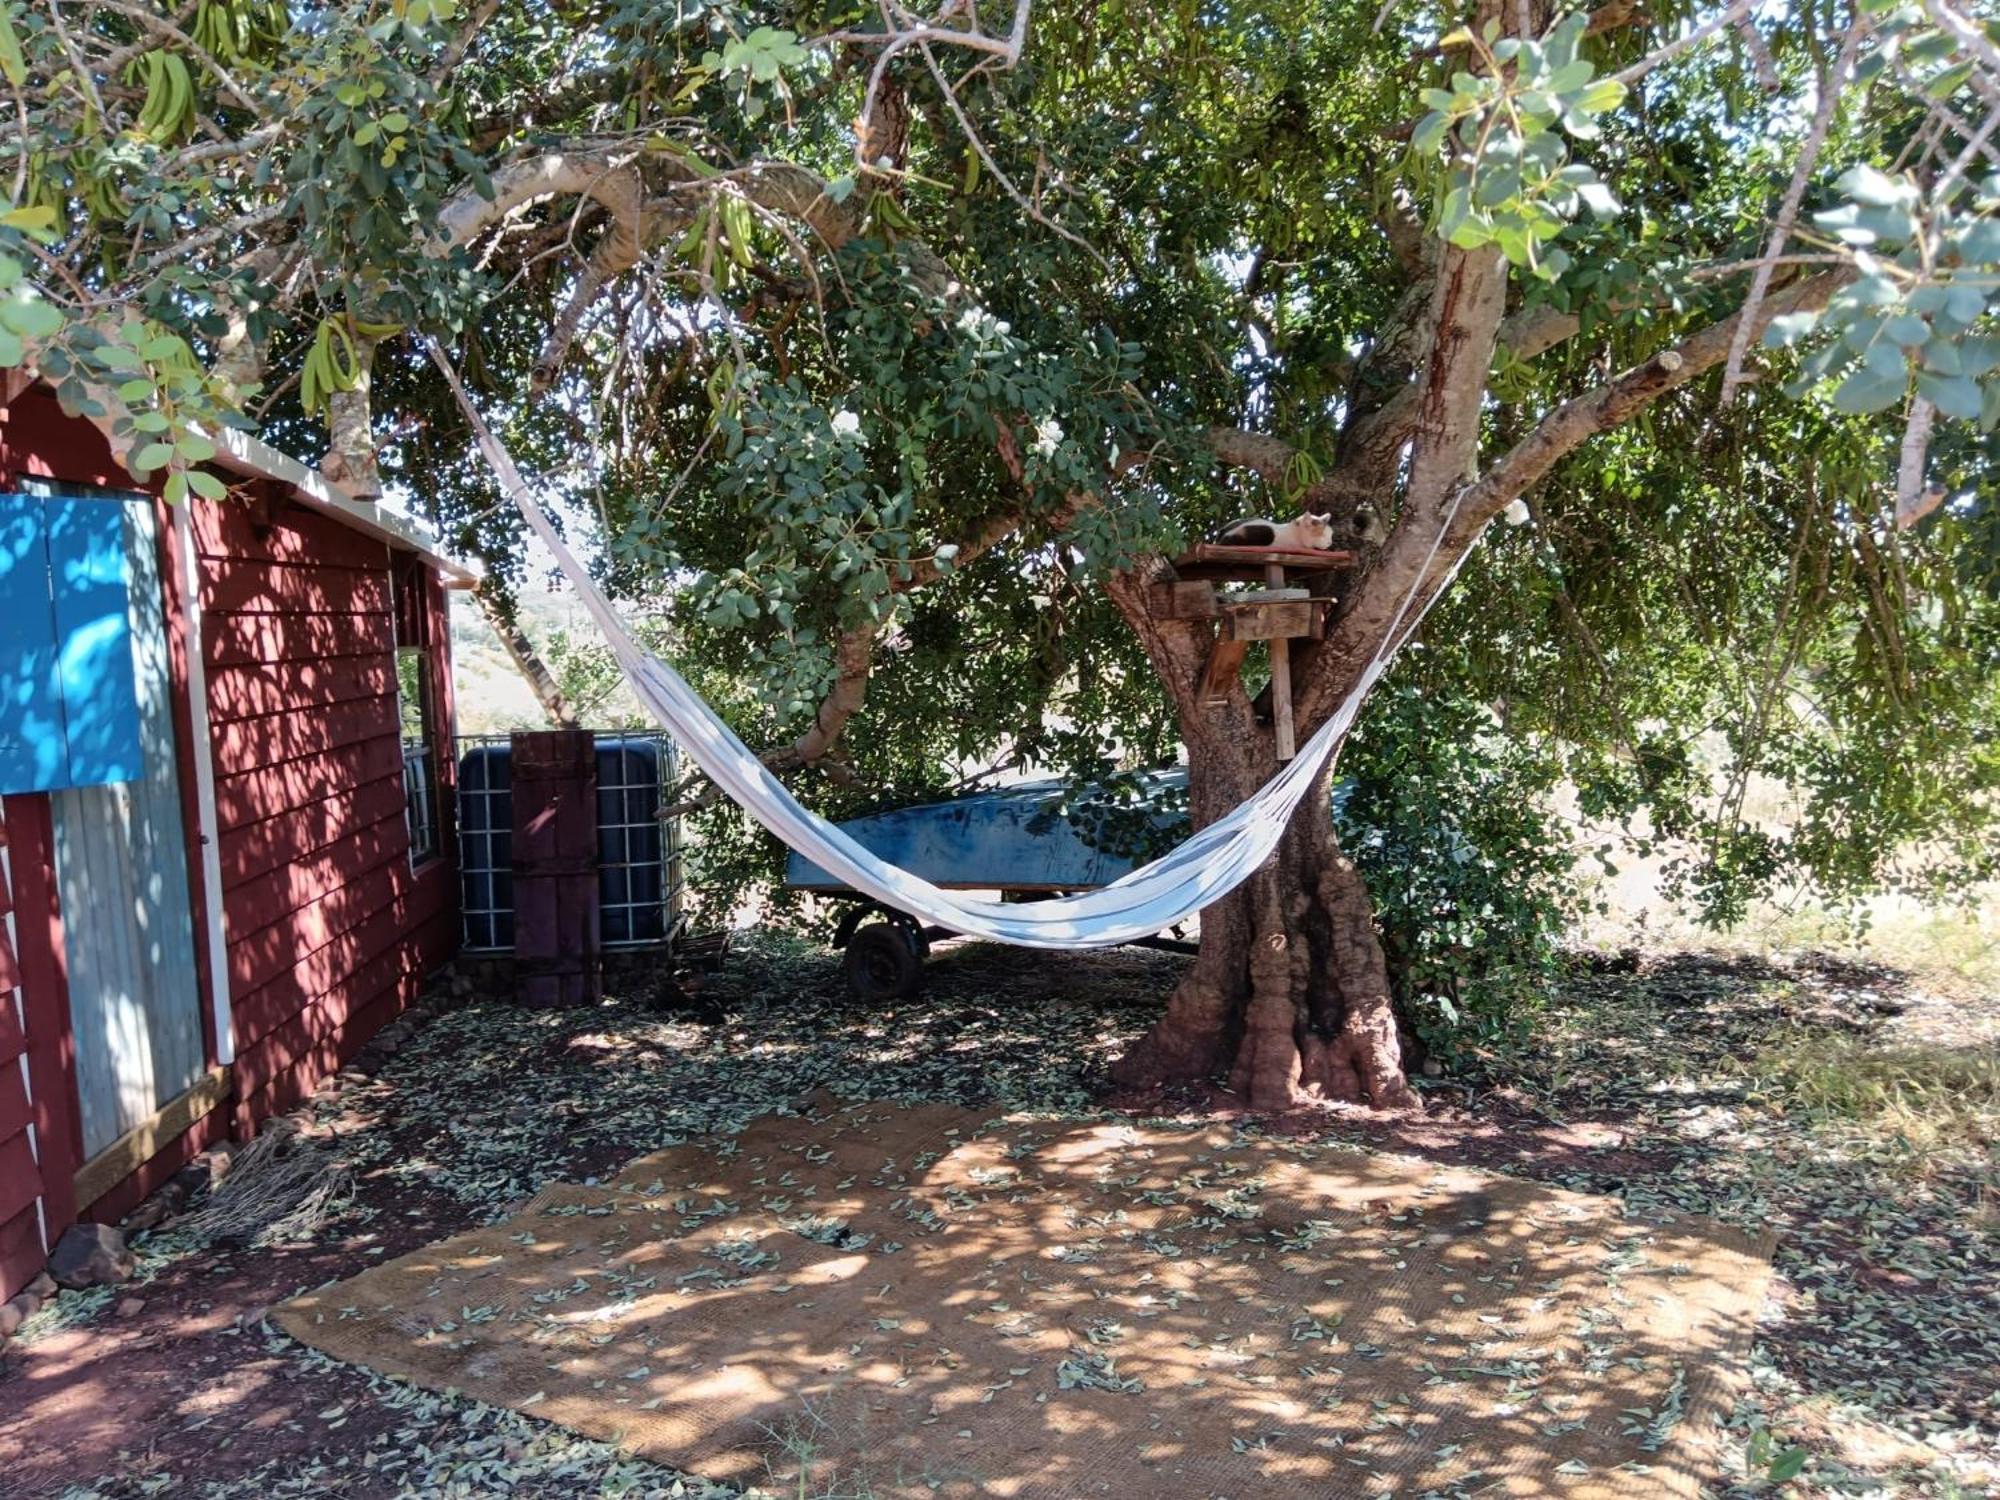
(527, 660)
(1289, 995)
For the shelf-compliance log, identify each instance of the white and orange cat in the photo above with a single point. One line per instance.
(1308, 533)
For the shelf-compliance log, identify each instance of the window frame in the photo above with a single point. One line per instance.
(410, 643)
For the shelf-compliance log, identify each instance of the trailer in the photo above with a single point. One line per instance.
(1028, 841)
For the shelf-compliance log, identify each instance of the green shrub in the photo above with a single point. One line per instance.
(1471, 872)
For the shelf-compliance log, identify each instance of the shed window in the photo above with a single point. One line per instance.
(415, 709)
(69, 708)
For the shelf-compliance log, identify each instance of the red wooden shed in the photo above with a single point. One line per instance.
(226, 854)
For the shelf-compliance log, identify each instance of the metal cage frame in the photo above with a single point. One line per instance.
(640, 866)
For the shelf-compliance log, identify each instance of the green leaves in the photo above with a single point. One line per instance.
(763, 55)
(1511, 183)
(13, 64)
(1869, 389)
(1929, 273)
(759, 60)
(24, 313)
(1953, 395)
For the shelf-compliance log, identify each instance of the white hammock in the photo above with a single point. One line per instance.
(1194, 874)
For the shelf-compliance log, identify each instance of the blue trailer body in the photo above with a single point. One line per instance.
(1017, 838)
(1032, 839)
(1024, 838)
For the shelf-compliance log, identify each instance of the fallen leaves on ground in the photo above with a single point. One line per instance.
(1874, 1369)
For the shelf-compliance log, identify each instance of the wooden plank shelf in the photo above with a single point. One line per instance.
(1216, 564)
(1275, 613)
(1274, 620)
(1252, 615)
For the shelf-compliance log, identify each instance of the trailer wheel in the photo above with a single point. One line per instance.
(883, 962)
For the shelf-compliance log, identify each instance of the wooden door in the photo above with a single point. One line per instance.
(558, 946)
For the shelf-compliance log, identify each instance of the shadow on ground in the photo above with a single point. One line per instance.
(1876, 1350)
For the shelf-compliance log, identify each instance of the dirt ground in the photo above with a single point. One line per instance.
(1720, 1085)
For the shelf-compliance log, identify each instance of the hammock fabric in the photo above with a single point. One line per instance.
(1192, 875)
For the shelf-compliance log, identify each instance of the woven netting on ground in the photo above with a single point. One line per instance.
(923, 1301)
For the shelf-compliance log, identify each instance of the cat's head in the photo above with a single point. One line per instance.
(1317, 530)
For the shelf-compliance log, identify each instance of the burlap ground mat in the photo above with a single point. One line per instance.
(919, 1301)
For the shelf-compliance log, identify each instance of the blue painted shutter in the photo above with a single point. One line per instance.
(34, 750)
(90, 567)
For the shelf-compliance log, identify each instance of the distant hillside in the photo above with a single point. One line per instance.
(491, 696)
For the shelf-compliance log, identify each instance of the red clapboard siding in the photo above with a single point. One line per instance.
(296, 941)
(252, 691)
(270, 790)
(21, 1252)
(45, 442)
(10, 971)
(275, 896)
(232, 640)
(328, 929)
(306, 1068)
(437, 940)
(15, 1112)
(12, 1041)
(321, 1019)
(44, 997)
(333, 968)
(20, 1178)
(282, 532)
(251, 850)
(250, 743)
(249, 586)
(318, 944)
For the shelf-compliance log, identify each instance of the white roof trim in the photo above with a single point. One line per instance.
(248, 455)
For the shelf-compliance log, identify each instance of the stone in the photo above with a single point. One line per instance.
(198, 1176)
(16, 1312)
(130, 1307)
(149, 1213)
(91, 1255)
(43, 1286)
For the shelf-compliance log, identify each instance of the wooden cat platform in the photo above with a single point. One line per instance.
(1217, 564)
(1274, 613)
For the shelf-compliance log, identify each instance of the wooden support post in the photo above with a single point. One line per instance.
(1225, 657)
(558, 958)
(1281, 677)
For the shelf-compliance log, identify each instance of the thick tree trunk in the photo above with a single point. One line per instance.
(1289, 995)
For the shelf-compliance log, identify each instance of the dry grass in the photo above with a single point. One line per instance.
(1928, 1095)
(1954, 950)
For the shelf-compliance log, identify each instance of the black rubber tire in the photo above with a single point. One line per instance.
(882, 962)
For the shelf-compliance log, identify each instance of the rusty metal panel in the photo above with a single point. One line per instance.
(121, 868)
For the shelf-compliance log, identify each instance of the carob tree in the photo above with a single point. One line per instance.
(909, 349)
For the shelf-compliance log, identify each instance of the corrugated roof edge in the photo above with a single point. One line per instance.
(252, 456)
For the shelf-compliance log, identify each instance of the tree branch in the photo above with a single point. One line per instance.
(1721, 19)
(1788, 211)
(1607, 405)
(622, 193)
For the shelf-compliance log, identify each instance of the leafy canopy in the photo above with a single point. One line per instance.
(914, 355)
